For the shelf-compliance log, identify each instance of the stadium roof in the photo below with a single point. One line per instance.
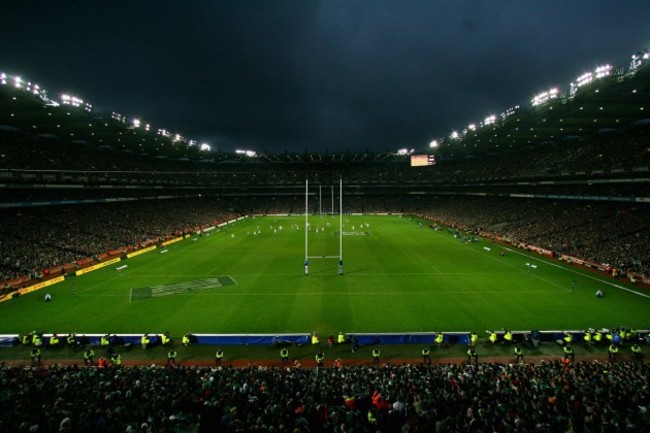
(612, 103)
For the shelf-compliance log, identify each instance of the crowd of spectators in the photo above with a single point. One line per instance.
(549, 397)
(625, 152)
(38, 238)
(597, 231)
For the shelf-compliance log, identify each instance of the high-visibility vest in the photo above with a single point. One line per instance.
(89, 354)
(284, 353)
(425, 351)
(341, 338)
(219, 354)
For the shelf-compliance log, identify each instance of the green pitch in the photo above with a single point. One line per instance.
(398, 277)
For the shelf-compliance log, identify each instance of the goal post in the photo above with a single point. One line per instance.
(340, 255)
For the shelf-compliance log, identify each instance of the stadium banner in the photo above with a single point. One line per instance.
(142, 251)
(33, 288)
(535, 249)
(7, 340)
(171, 241)
(97, 266)
(588, 264)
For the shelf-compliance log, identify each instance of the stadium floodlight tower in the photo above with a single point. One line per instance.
(340, 256)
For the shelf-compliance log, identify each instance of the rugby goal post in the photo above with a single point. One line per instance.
(340, 256)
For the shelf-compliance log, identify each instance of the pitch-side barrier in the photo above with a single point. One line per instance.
(362, 339)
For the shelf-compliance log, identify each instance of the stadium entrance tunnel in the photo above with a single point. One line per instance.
(362, 339)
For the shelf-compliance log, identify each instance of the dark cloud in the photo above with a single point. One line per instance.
(314, 75)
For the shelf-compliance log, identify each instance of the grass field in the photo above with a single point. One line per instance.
(399, 277)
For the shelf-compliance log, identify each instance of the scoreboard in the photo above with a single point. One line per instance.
(422, 160)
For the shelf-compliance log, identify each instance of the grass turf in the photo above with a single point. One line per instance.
(399, 277)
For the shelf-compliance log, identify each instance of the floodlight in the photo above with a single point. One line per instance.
(454, 135)
(136, 123)
(433, 144)
(205, 147)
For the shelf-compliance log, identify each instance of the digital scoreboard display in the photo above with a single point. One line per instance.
(422, 160)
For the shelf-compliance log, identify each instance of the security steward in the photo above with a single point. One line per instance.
(88, 356)
(636, 352)
(612, 352)
(341, 338)
(473, 338)
(440, 338)
(116, 359)
(219, 356)
(519, 353)
(37, 340)
(471, 353)
(426, 355)
(568, 352)
(54, 340)
(171, 356)
(284, 355)
(320, 359)
(165, 339)
(36, 355)
(145, 341)
(507, 337)
(375, 355)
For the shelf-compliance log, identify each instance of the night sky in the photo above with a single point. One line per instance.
(314, 75)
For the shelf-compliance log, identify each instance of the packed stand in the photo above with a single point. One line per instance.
(550, 397)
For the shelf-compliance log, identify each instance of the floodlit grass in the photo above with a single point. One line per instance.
(399, 277)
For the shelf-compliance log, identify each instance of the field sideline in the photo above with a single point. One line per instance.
(399, 277)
